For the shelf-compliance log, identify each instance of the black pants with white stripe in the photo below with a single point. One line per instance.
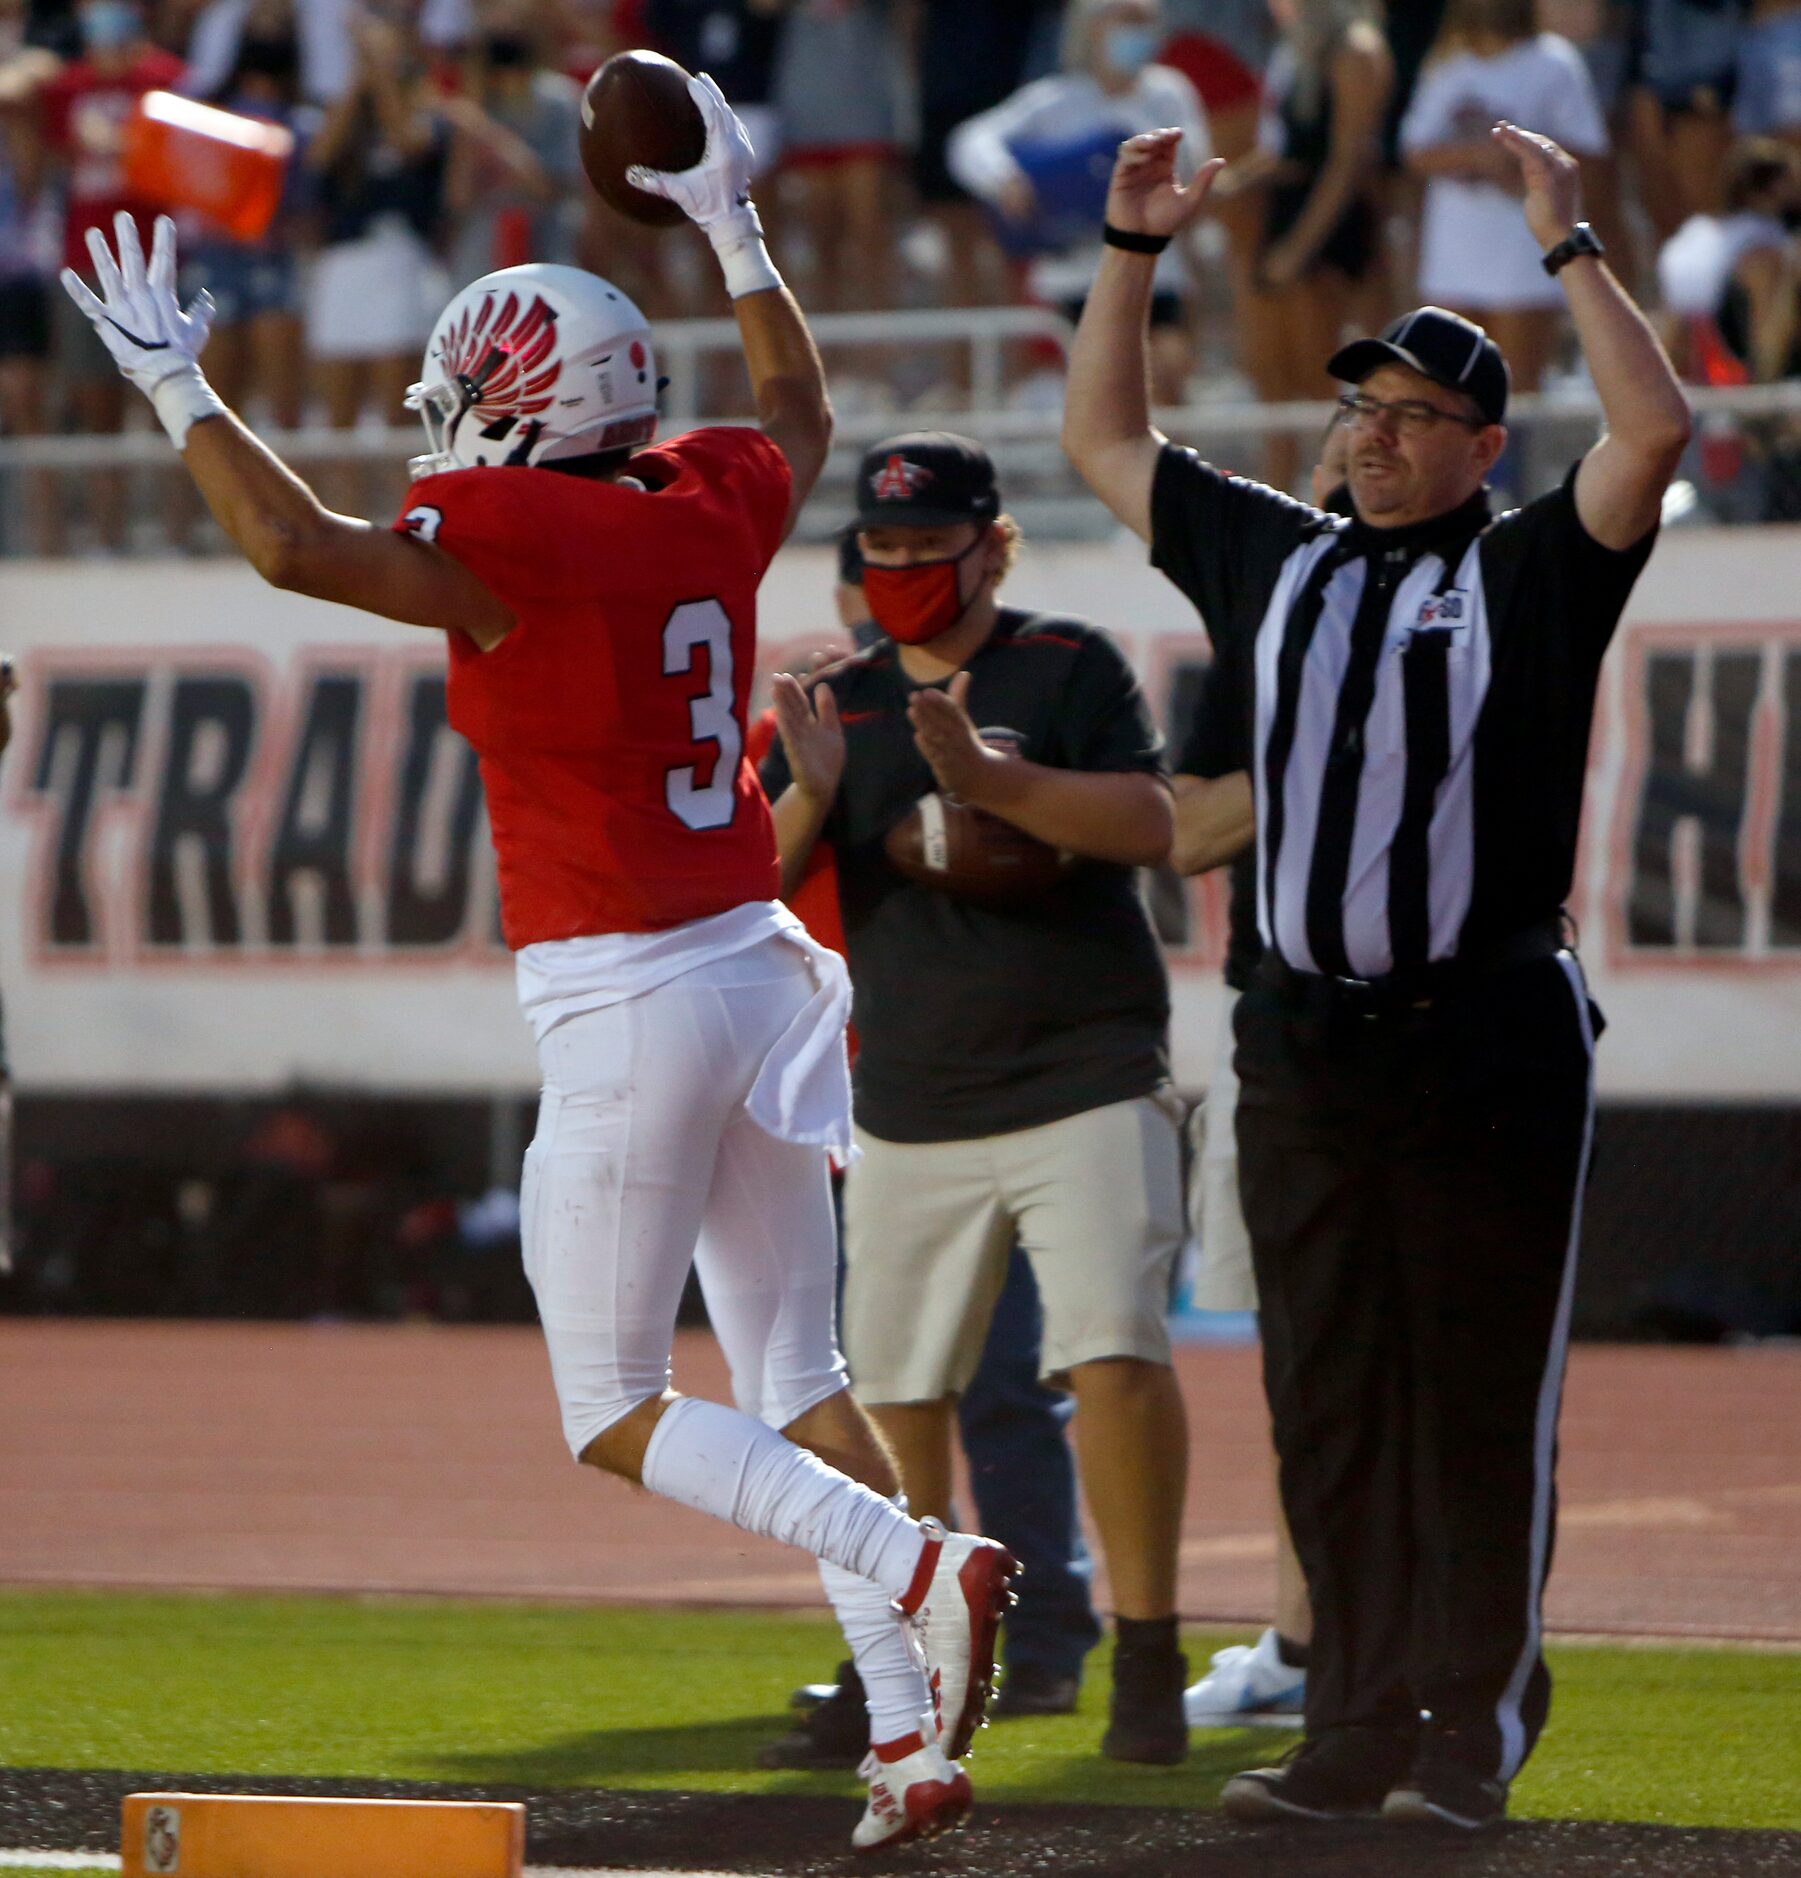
(1412, 1183)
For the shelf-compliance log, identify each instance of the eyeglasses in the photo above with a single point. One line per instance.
(1412, 417)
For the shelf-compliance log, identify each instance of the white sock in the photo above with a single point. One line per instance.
(718, 1461)
(894, 1686)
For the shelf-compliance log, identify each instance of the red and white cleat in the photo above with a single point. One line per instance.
(952, 1610)
(914, 1793)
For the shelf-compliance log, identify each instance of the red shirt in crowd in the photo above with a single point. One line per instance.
(85, 107)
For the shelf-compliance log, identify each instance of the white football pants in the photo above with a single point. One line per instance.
(645, 1161)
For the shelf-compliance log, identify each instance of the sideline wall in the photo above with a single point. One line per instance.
(239, 848)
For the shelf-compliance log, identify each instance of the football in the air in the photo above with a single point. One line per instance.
(637, 110)
(943, 843)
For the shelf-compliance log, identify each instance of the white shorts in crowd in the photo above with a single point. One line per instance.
(375, 297)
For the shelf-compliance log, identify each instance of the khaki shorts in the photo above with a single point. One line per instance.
(1223, 1279)
(1096, 1202)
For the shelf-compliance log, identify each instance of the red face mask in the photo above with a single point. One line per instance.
(917, 603)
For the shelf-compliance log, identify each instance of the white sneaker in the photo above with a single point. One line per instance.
(1249, 1686)
(914, 1793)
(952, 1610)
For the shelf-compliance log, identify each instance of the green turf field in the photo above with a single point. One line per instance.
(552, 1696)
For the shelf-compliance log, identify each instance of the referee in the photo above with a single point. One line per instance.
(1416, 1050)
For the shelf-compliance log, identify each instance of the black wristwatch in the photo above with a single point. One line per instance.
(1580, 240)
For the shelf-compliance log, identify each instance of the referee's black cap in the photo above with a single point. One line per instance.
(1441, 346)
(926, 479)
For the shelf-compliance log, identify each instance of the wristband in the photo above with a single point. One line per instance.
(1579, 241)
(737, 239)
(1132, 241)
(181, 400)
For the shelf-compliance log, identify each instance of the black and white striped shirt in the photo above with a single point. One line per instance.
(1419, 709)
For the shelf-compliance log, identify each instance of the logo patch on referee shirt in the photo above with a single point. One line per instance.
(1442, 616)
(1441, 612)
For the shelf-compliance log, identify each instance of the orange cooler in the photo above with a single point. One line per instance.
(181, 154)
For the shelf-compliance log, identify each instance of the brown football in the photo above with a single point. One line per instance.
(943, 843)
(637, 110)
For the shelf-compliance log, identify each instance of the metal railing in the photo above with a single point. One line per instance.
(1745, 465)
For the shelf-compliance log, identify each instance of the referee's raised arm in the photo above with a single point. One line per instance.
(1107, 431)
(1620, 486)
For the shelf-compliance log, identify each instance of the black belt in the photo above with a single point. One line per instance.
(1397, 992)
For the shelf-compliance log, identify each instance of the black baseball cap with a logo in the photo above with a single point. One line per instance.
(1444, 347)
(926, 479)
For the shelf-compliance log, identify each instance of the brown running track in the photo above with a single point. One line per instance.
(427, 1459)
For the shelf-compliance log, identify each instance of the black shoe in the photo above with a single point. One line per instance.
(1443, 1790)
(1032, 1689)
(812, 1695)
(1345, 1774)
(1146, 1722)
(835, 1733)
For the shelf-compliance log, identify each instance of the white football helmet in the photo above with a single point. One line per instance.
(531, 364)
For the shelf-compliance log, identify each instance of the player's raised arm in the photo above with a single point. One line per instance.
(1107, 431)
(786, 377)
(283, 529)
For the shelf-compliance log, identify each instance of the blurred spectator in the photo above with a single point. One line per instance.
(735, 42)
(1319, 152)
(1731, 280)
(515, 168)
(1767, 102)
(1042, 160)
(1222, 47)
(30, 252)
(15, 33)
(588, 33)
(255, 354)
(1477, 255)
(835, 93)
(53, 26)
(971, 54)
(85, 107)
(1601, 30)
(1687, 68)
(327, 37)
(378, 159)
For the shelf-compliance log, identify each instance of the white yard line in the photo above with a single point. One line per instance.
(21, 1860)
(59, 1861)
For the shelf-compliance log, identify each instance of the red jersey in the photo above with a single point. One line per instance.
(610, 719)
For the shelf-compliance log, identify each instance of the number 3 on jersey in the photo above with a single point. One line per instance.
(693, 624)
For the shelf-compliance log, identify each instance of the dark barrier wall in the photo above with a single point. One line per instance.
(334, 1206)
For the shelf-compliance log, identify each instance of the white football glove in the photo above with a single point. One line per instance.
(154, 343)
(715, 193)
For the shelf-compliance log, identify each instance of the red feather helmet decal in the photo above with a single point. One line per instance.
(503, 357)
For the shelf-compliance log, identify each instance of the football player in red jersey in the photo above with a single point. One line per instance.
(597, 593)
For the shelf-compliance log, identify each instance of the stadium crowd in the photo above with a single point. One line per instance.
(915, 152)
